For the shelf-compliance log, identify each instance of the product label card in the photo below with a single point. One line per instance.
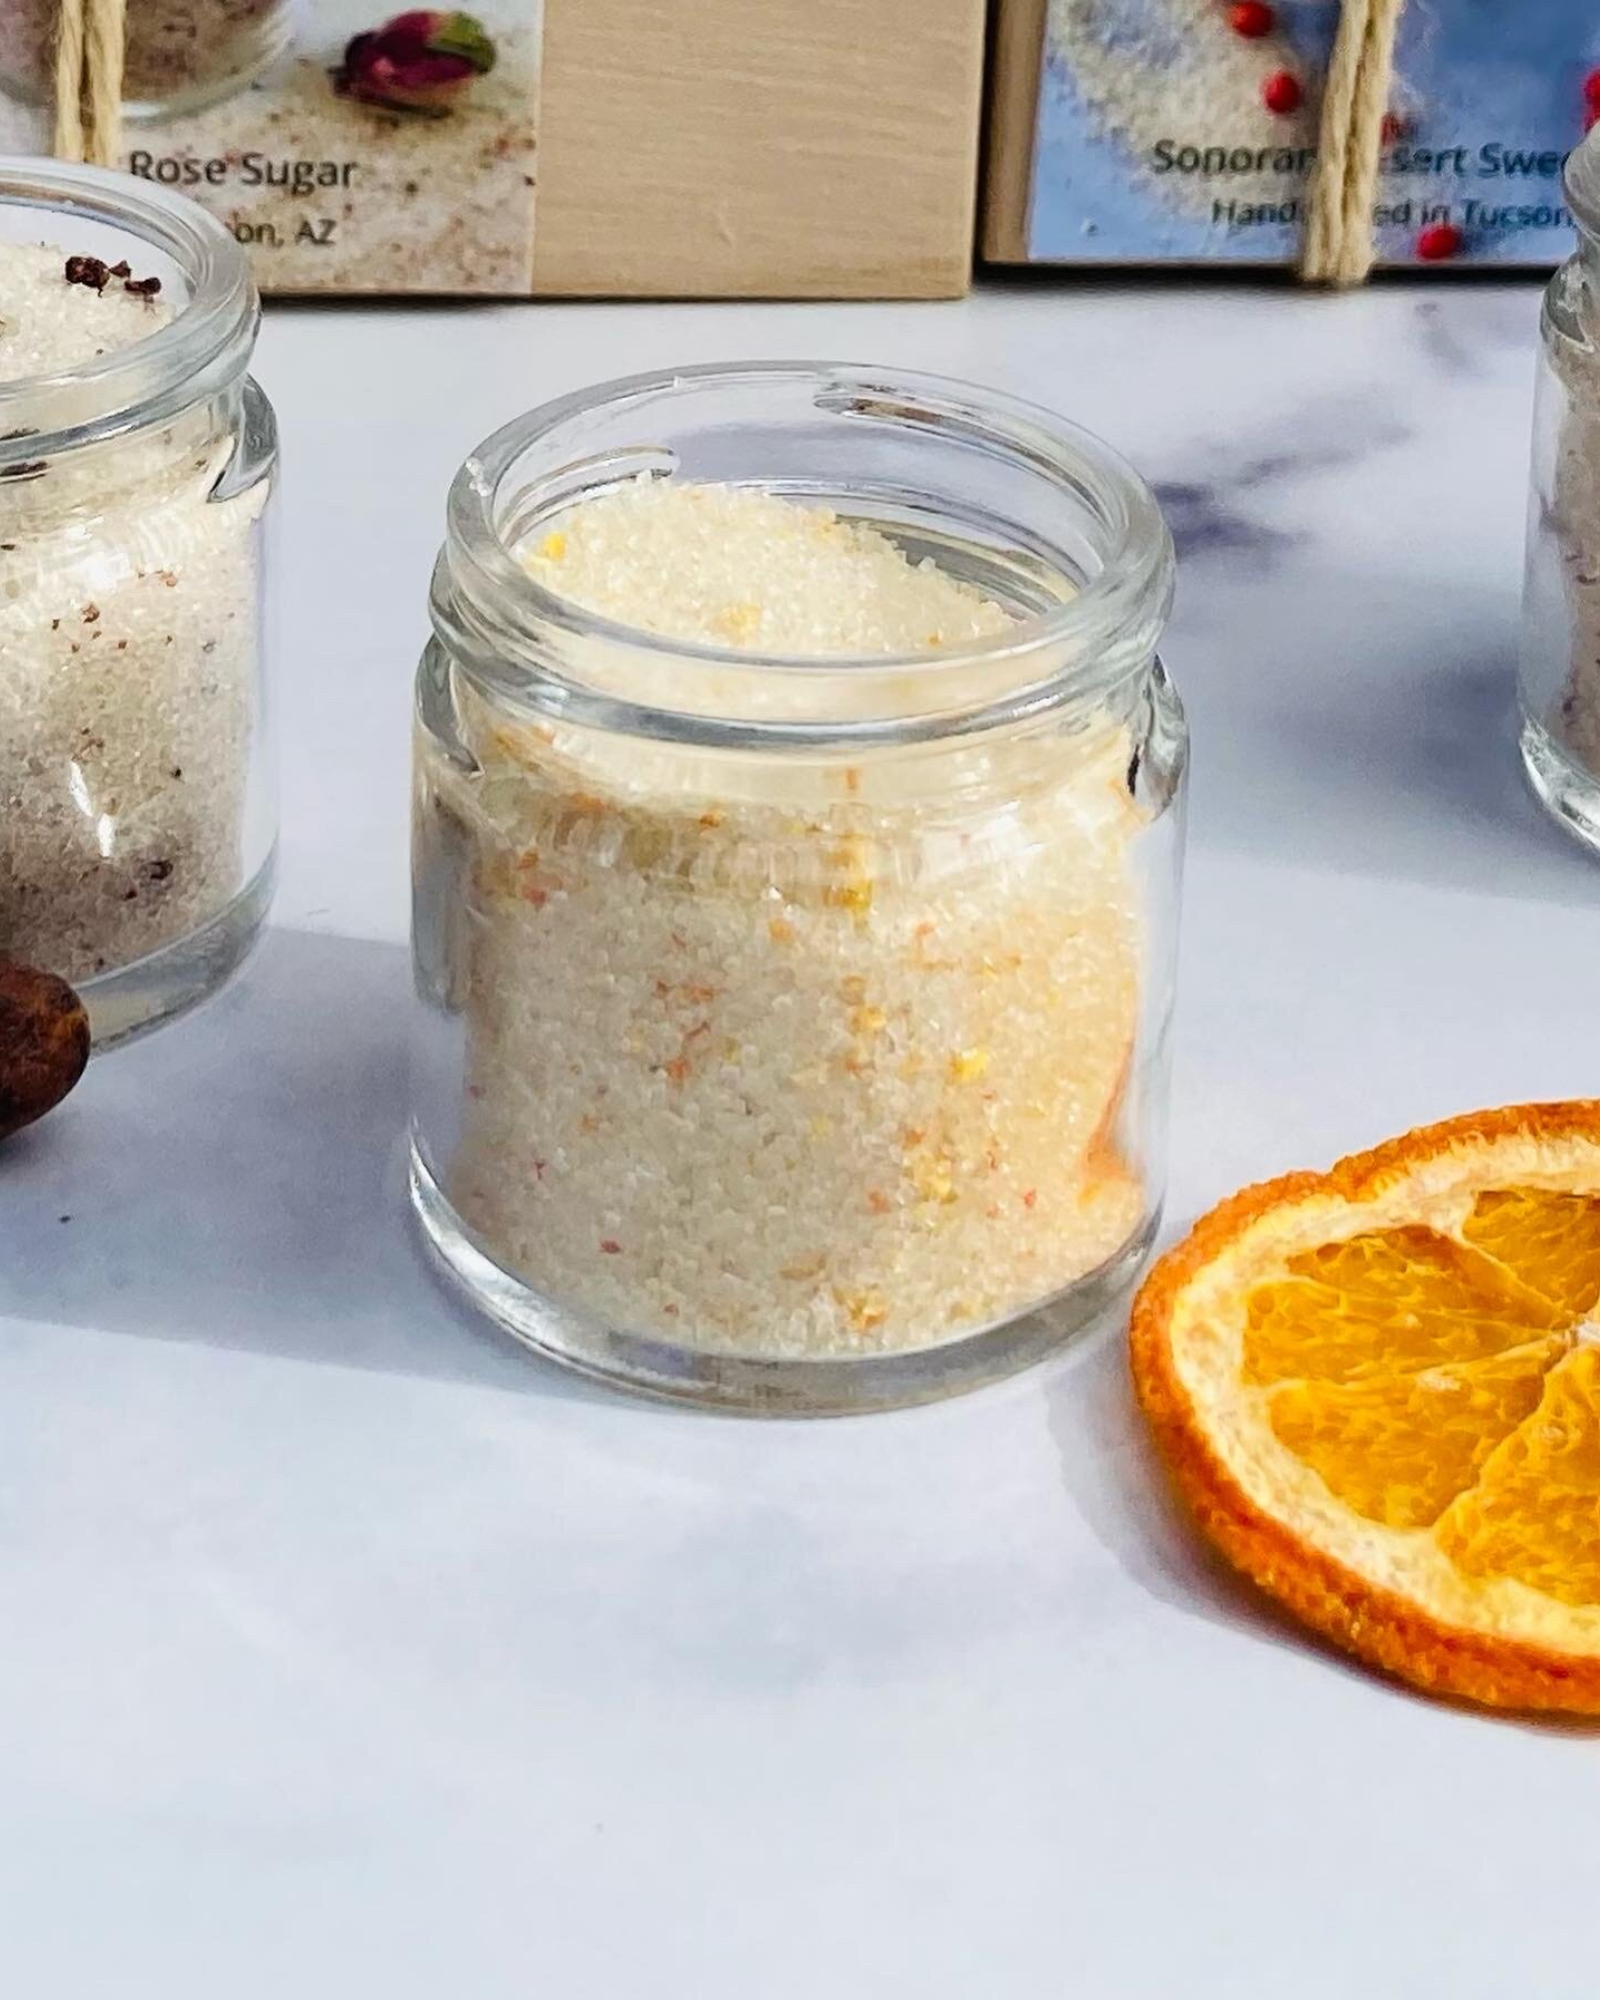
(1186, 130)
(350, 149)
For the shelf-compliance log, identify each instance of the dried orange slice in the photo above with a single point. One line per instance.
(1378, 1390)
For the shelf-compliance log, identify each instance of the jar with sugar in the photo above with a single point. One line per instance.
(1560, 671)
(136, 463)
(797, 845)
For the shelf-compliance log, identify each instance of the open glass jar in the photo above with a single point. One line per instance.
(1560, 679)
(792, 1030)
(136, 802)
(180, 55)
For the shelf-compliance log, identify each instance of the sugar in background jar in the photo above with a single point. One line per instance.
(180, 55)
(792, 1029)
(136, 800)
(1560, 678)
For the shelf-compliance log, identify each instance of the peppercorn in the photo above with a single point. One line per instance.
(44, 1044)
(1252, 18)
(1439, 242)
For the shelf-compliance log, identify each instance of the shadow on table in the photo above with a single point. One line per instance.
(237, 1179)
(1366, 726)
(1116, 1482)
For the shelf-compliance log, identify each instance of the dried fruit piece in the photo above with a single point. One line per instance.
(44, 1044)
(1379, 1391)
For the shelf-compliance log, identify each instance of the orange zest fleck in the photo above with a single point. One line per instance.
(864, 1310)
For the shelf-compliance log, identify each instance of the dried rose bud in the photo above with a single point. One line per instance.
(44, 1044)
(416, 62)
(89, 272)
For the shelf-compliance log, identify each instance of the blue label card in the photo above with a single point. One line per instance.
(1186, 130)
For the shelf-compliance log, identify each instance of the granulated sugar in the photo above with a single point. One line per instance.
(733, 566)
(780, 1056)
(48, 322)
(127, 656)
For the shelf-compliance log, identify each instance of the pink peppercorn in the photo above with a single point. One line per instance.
(1252, 18)
(1439, 242)
(1281, 93)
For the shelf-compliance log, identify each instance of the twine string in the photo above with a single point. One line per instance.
(1339, 248)
(91, 43)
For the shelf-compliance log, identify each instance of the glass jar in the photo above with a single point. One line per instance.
(180, 55)
(1560, 672)
(136, 800)
(793, 1030)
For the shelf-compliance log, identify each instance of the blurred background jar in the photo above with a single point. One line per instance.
(792, 1031)
(181, 55)
(137, 809)
(1560, 670)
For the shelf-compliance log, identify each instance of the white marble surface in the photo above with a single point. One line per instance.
(349, 1651)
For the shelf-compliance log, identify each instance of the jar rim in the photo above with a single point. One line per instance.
(203, 348)
(483, 593)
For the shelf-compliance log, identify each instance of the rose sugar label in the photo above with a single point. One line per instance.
(349, 148)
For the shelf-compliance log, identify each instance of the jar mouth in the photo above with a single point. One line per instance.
(1110, 548)
(201, 350)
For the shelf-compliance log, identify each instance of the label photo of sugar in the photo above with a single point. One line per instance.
(180, 54)
(373, 151)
